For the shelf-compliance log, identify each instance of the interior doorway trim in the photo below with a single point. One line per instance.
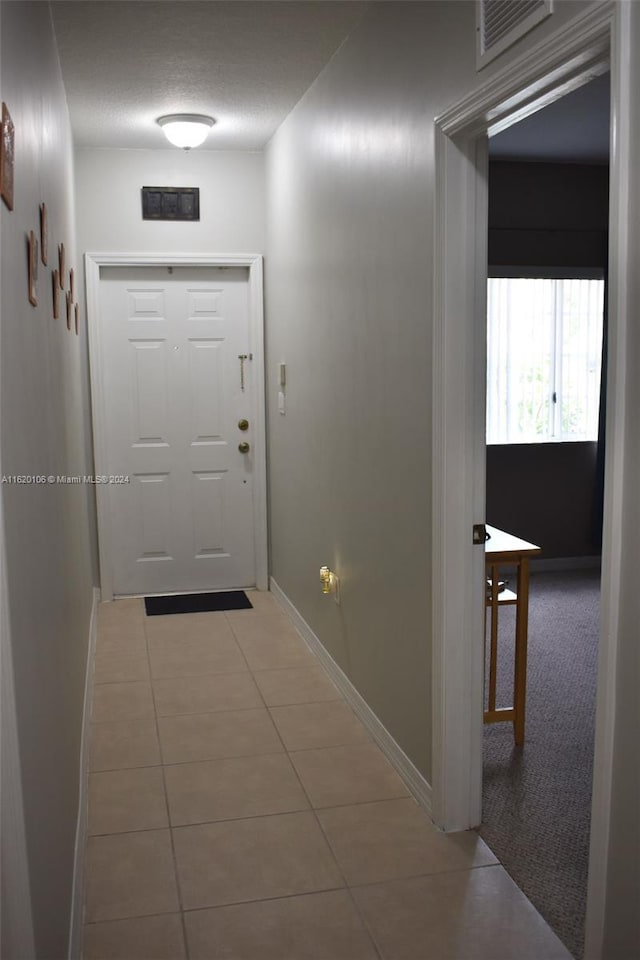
(582, 49)
(253, 261)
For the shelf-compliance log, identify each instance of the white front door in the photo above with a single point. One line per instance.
(175, 393)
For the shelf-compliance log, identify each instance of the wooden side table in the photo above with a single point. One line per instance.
(504, 549)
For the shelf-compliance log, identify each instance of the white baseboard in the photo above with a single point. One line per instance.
(414, 780)
(77, 893)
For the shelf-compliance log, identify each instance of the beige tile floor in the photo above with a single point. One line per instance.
(238, 810)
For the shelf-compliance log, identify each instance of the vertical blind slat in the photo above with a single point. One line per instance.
(544, 340)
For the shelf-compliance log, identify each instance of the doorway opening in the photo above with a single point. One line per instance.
(546, 375)
(598, 39)
(177, 364)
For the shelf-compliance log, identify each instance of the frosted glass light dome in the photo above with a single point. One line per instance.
(186, 130)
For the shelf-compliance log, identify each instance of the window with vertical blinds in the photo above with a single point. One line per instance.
(544, 356)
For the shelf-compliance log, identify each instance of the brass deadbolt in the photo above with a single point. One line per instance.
(243, 424)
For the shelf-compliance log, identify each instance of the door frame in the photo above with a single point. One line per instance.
(549, 70)
(253, 261)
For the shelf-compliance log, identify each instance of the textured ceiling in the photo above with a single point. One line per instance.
(245, 63)
(574, 129)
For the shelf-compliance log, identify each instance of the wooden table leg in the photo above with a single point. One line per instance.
(520, 674)
(493, 649)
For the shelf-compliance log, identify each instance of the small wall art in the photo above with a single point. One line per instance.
(61, 265)
(7, 154)
(44, 256)
(55, 282)
(32, 253)
(170, 203)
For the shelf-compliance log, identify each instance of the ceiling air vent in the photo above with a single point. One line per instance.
(501, 22)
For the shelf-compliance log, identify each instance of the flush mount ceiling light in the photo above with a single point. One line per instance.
(186, 130)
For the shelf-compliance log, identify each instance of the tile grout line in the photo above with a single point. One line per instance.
(90, 771)
(355, 904)
(265, 753)
(275, 727)
(244, 656)
(281, 896)
(206, 713)
(288, 753)
(189, 676)
(260, 816)
(341, 873)
(346, 888)
(230, 673)
(140, 916)
(358, 912)
(297, 776)
(231, 756)
(166, 801)
(221, 906)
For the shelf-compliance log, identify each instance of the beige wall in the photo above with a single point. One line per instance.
(348, 286)
(108, 184)
(109, 212)
(42, 432)
(349, 290)
(350, 179)
(546, 493)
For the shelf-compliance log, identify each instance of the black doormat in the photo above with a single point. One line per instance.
(197, 603)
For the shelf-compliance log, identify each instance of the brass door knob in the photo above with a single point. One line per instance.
(244, 447)
(243, 424)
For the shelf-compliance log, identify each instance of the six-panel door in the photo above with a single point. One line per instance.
(174, 396)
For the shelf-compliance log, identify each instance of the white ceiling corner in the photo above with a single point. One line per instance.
(244, 62)
(247, 63)
(573, 129)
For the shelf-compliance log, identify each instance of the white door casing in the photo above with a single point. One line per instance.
(175, 390)
(554, 67)
(167, 399)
